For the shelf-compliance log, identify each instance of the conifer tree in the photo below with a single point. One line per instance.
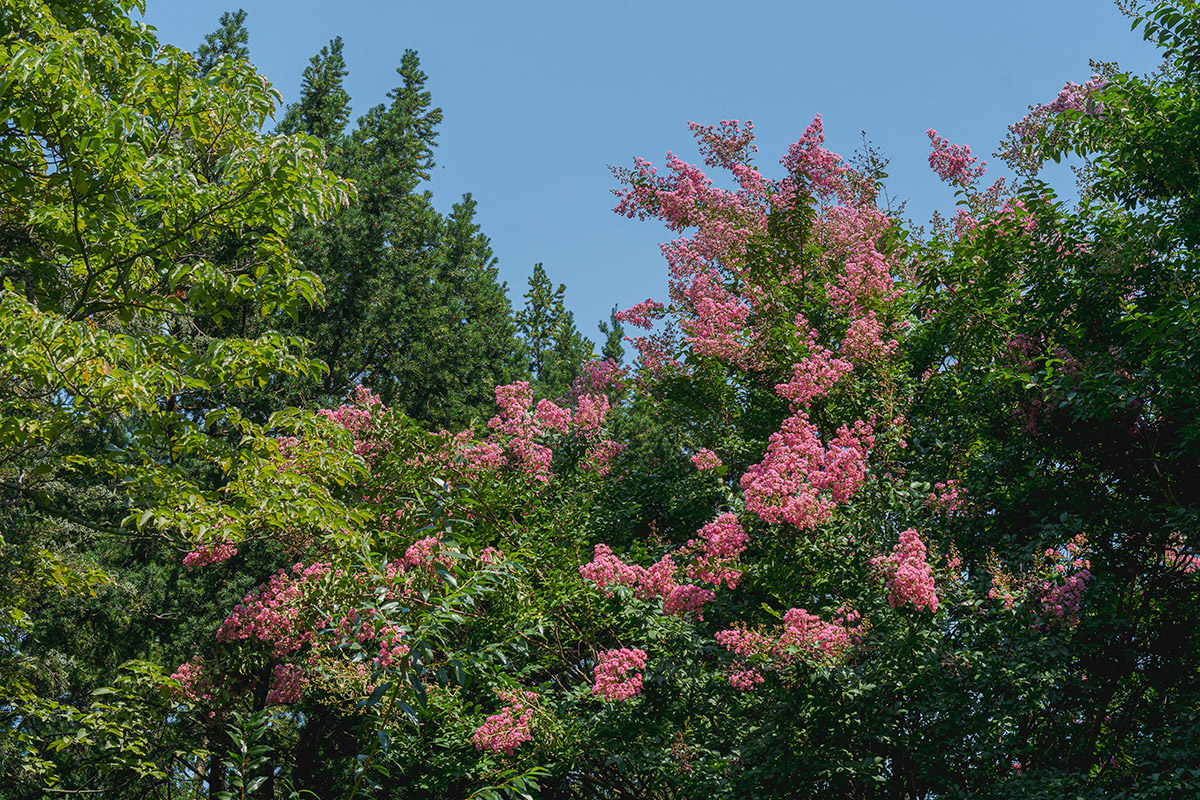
(414, 309)
(554, 346)
(324, 106)
(230, 39)
(614, 338)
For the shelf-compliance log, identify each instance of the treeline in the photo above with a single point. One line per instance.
(413, 304)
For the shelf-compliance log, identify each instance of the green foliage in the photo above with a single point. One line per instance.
(394, 592)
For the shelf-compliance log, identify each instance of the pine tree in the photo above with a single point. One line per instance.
(614, 338)
(230, 39)
(554, 347)
(413, 306)
(324, 107)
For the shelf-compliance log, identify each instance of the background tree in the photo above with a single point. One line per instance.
(414, 308)
(554, 347)
(231, 40)
(614, 338)
(120, 166)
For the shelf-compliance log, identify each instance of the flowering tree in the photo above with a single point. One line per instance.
(872, 515)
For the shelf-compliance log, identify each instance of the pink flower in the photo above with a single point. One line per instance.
(601, 455)
(194, 684)
(618, 674)
(641, 315)
(590, 411)
(706, 459)
(687, 599)
(506, 731)
(721, 542)
(209, 554)
(947, 497)
(745, 680)
(909, 578)
(287, 685)
(953, 162)
(800, 479)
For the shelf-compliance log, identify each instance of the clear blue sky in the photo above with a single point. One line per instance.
(539, 97)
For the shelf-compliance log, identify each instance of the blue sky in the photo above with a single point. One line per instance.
(539, 97)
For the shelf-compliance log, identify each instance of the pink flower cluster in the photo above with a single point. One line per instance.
(800, 479)
(909, 577)
(618, 674)
(805, 637)
(814, 375)
(719, 545)
(864, 340)
(590, 411)
(506, 731)
(706, 459)
(1033, 136)
(428, 553)
(599, 377)
(745, 680)
(287, 684)
(602, 454)
(193, 682)
(816, 637)
(953, 162)
(721, 542)
(718, 325)
(491, 556)
(271, 614)
(641, 315)
(687, 599)
(209, 554)
(359, 418)
(363, 627)
(606, 570)
(727, 147)
(808, 160)
(1060, 602)
(947, 498)
(519, 431)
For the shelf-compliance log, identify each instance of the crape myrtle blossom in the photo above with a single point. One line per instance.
(706, 459)
(804, 638)
(947, 498)
(1032, 138)
(359, 417)
(642, 315)
(207, 554)
(1060, 596)
(720, 544)
(908, 575)
(193, 683)
(270, 614)
(726, 312)
(711, 558)
(507, 730)
(520, 432)
(802, 480)
(953, 163)
(618, 674)
(287, 684)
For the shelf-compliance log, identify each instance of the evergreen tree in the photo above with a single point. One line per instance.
(324, 106)
(413, 307)
(614, 338)
(554, 347)
(230, 39)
